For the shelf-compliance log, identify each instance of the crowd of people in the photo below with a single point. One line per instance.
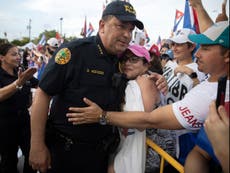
(96, 99)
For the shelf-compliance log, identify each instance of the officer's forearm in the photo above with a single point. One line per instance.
(39, 116)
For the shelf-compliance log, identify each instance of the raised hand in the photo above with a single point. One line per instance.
(23, 76)
(222, 16)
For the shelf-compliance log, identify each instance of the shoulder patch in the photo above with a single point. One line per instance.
(63, 56)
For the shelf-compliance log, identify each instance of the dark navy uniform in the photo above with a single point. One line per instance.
(79, 69)
(15, 124)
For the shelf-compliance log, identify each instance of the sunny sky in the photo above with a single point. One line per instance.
(157, 15)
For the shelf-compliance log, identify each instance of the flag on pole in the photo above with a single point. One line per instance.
(146, 36)
(178, 17)
(84, 29)
(58, 37)
(190, 18)
(42, 40)
(90, 30)
(159, 42)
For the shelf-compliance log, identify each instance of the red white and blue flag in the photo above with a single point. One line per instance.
(178, 17)
(59, 38)
(84, 29)
(90, 30)
(146, 36)
(159, 42)
(190, 18)
(42, 40)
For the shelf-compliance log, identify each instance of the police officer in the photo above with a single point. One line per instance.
(82, 68)
(15, 99)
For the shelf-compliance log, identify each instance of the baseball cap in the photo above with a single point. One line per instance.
(169, 54)
(154, 50)
(218, 33)
(182, 36)
(139, 51)
(53, 42)
(123, 11)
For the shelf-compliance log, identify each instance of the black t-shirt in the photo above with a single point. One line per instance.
(79, 69)
(20, 100)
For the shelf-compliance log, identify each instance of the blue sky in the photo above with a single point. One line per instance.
(157, 15)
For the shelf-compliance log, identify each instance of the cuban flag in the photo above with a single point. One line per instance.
(90, 30)
(178, 17)
(42, 40)
(190, 18)
(159, 42)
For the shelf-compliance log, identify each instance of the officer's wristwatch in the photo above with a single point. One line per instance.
(193, 75)
(103, 118)
(18, 87)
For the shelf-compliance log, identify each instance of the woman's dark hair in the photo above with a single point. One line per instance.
(5, 47)
(166, 45)
(155, 64)
(119, 82)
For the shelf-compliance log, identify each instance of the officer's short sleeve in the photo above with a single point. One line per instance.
(54, 76)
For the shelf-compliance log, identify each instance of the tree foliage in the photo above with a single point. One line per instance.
(48, 35)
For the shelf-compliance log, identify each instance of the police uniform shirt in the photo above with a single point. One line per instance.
(79, 69)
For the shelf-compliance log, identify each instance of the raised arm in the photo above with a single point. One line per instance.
(162, 117)
(10, 89)
(203, 18)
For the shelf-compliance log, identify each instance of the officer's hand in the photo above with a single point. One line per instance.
(39, 157)
(84, 115)
(161, 82)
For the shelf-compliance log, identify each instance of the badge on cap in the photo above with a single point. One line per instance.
(63, 56)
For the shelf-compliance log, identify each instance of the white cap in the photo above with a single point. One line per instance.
(53, 42)
(182, 36)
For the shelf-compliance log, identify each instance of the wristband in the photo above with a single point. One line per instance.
(193, 75)
(17, 86)
(103, 118)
